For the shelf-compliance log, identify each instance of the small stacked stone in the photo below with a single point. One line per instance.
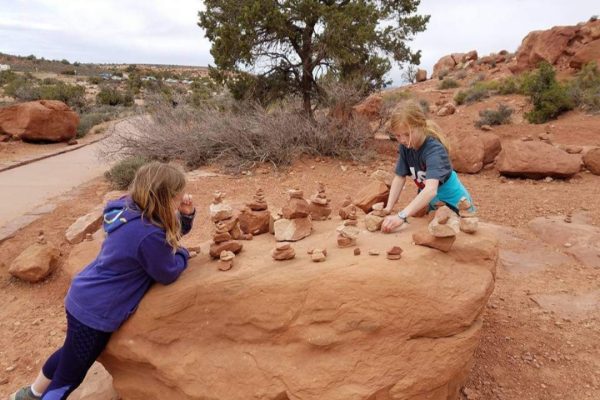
(255, 217)
(319, 204)
(227, 227)
(374, 219)
(468, 219)
(258, 202)
(226, 260)
(395, 253)
(283, 251)
(347, 236)
(296, 223)
(318, 255)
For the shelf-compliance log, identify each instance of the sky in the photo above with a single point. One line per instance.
(166, 31)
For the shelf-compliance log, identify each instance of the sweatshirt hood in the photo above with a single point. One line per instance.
(119, 212)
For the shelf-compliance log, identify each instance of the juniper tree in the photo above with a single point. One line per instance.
(274, 48)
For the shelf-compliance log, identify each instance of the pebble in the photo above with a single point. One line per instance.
(11, 368)
(3, 381)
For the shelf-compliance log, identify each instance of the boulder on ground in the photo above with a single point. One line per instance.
(88, 223)
(591, 160)
(35, 263)
(466, 152)
(42, 120)
(421, 75)
(374, 192)
(348, 330)
(536, 159)
(292, 229)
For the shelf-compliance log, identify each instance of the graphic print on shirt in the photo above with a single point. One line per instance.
(419, 177)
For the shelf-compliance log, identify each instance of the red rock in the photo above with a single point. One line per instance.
(370, 108)
(588, 53)
(35, 263)
(491, 147)
(447, 109)
(466, 152)
(221, 237)
(374, 192)
(46, 120)
(427, 239)
(470, 56)
(395, 253)
(296, 208)
(545, 45)
(319, 212)
(344, 242)
(88, 223)
(591, 160)
(421, 75)
(280, 317)
(255, 222)
(536, 160)
(357, 251)
(292, 229)
(217, 248)
(445, 63)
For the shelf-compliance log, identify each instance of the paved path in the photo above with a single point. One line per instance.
(24, 188)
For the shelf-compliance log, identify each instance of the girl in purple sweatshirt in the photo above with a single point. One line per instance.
(143, 230)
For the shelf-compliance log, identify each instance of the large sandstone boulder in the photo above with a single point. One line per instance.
(591, 160)
(421, 75)
(370, 108)
(545, 45)
(466, 152)
(350, 328)
(35, 263)
(536, 160)
(446, 63)
(43, 120)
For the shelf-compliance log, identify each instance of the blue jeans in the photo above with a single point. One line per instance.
(67, 367)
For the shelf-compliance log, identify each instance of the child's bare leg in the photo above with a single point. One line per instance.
(40, 384)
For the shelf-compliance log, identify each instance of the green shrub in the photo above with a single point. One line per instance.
(94, 80)
(462, 74)
(114, 97)
(476, 92)
(7, 77)
(90, 118)
(584, 90)
(73, 95)
(442, 74)
(500, 116)
(65, 61)
(549, 97)
(122, 173)
(68, 72)
(448, 83)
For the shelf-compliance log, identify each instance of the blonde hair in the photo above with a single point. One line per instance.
(411, 114)
(153, 189)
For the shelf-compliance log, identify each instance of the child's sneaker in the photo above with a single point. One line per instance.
(24, 394)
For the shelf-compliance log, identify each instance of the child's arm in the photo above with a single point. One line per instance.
(187, 212)
(187, 221)
(158, 260)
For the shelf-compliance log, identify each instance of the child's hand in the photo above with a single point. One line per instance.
(186, 206)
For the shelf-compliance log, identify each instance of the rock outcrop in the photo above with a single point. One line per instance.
(350, 330)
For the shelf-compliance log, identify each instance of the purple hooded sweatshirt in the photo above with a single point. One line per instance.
(134, 255)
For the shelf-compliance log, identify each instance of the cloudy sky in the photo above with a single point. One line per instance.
(165, 31)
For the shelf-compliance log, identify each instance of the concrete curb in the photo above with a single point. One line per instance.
(48, 155)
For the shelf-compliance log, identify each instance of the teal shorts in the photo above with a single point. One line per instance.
(450, 193)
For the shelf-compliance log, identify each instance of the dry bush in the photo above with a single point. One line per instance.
(238, 137)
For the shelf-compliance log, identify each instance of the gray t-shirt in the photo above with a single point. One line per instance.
(430, 161)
